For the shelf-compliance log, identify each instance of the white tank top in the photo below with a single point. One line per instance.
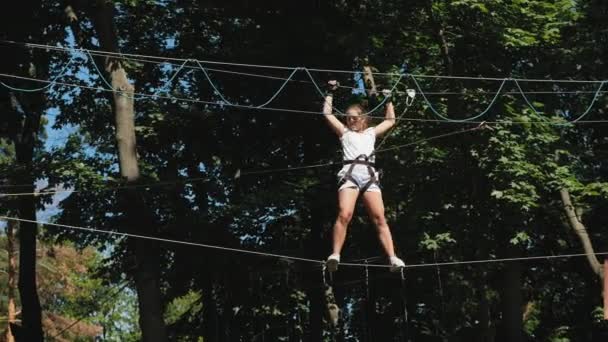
(355, 144)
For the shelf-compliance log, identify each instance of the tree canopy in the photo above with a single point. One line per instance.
(166, 155)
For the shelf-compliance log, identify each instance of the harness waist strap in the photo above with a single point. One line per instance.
(357, 161)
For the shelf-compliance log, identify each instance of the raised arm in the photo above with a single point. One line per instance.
(389, 116)
(334, 123)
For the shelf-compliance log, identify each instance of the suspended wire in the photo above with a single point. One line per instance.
(120, 187)
(154, 238)
(396, 147)
(265, 171)
(405, 325)
(152, 57)
(463, 93)
(474, 117)
(239, 174)
(282, 87)
(95, 53)
(440, 288)
(211, 103)
(62, 73)
(286, 169)
(307, 70)
(304, 167)
(322, 94)
(294, 70)
(288, 257)
(579, 117)
(377, 257)
(267, 102)
(172, 98)
(368, 305)
(480, 261)
(318, 88)
(153, 95)
(408, 104)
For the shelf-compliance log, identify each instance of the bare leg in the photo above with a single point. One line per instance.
(375, 208)
(347, 198)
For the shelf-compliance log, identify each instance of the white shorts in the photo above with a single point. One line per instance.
(361, 175)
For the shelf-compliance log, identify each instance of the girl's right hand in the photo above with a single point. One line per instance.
(332, 85)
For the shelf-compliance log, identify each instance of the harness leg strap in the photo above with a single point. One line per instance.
(364, 160)
(372, 180)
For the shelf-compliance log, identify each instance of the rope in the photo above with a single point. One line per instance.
(294, 70)
(406, 321)
(368, 306)
(152, 57)
(579, 117)
(153, 95)
(463, 93)
(322, 94)
(49, 84)
(475, 117)
(215, 88)
(173, 98)
(147, 185)
(273, 255)
(408, 104)
(396, 147)
(544, 122)
(238, 175)
(147, 237)
(267, 102)
(440, 288)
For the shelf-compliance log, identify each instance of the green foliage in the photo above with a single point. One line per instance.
(437, 241)
(462, 197)
(180, 306)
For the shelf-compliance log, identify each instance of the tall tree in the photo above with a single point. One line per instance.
(11, 270)
(138, 219)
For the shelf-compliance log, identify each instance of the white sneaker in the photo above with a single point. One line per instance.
(396, 264)
(332, 262)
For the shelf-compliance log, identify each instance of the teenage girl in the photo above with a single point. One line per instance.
(358, 176)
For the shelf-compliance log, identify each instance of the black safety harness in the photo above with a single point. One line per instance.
(361, 159)
(348, 176)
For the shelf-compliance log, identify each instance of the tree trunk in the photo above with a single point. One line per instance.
(29, 113)
(370, 310)
(368, 78)
(30, 303)
(210, 317)
(147, 282)
(339, 294)
(579, 228)
(147, 253)
(439, 32)
(486, 331)
(24, 123)
(512, 299)
(316, 312)
(102, 15)
(12, 268)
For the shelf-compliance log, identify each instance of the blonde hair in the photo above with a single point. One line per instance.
(361, 110)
